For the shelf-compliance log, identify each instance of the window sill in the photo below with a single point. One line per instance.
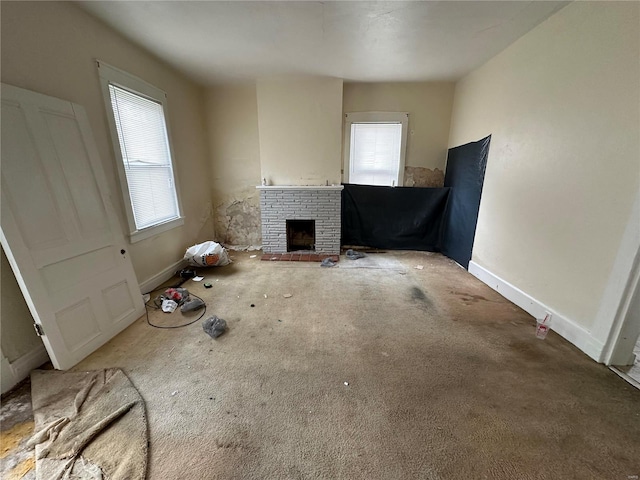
(149, 232)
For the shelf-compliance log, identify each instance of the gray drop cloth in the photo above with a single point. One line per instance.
(375, 261)
(89, 425)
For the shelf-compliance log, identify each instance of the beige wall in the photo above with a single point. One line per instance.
(298, 140)
(234, 153)
(50, 47)
(300, 122)
(429, 106)
(562, 105)
(16, 323)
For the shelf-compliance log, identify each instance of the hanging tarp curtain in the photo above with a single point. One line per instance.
(400, 218)
(428, 219)
(466, 165)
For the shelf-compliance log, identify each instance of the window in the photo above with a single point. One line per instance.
(137, 117)
(375, 144)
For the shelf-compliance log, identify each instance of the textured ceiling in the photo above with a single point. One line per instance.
(217, 42)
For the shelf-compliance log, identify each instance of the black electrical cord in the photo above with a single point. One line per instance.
(147, 306)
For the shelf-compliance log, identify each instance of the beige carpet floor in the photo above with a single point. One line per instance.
(446, 380)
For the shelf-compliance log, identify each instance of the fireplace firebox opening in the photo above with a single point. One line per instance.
(301, 235)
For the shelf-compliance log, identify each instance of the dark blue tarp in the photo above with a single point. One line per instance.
(466, 165)
(402, 218)
(431, 219)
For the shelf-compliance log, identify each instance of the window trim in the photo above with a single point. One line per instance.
(114, 76)
(375, 117)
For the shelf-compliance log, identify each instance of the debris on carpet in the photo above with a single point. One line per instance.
(353, 255)
(207, 254)
(191, 305)
(81, 419)
(327, 262)
(214, 326)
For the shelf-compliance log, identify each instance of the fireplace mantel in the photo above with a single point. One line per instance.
(300, 187)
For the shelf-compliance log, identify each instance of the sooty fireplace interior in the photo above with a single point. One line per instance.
(301, 235)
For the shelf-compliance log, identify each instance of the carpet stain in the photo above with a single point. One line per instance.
(469, 297)
(232, 445)
(476, 298)
(526, 350)
(10, 439)
(20, 470)
(418, 296)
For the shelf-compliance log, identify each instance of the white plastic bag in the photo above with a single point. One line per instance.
(207, 254)
(169, 306)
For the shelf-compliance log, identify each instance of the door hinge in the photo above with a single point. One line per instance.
(39, 330)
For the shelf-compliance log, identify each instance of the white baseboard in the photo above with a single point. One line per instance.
(159, 278)
(626, 377)
(6, 375)
(19, 369)
(23, 365)
(563, 326)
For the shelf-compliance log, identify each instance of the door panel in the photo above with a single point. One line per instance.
(25, 179)
(78, 325)
(80, 181)
(118, 301)
(61, 275)
(59, 230)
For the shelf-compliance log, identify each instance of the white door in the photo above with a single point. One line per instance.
(59, 230)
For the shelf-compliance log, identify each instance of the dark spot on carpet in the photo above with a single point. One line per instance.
(474, 359)
(468, 297)
(418, 296)
(230, 444)
(478, 297)
(527, 351)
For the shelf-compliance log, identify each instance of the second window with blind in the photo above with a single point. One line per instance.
(375, 145)
(138, 123)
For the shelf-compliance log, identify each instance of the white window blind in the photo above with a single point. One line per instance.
(144, 144)
(375, 153)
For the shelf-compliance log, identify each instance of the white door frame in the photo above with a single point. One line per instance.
(618, 323)
(625, 334)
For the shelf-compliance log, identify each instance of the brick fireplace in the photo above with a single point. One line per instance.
(319, 204)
